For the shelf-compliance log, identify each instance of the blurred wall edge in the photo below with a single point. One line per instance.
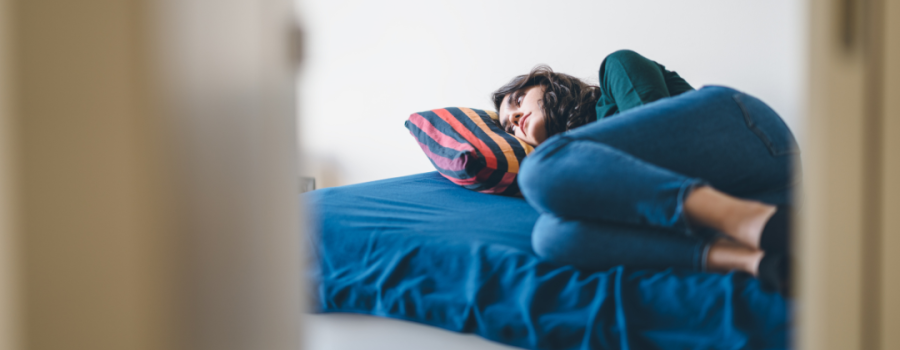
(9, 327)
(148, 181)
(850, 231)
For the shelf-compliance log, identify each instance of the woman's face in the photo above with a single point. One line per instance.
(522, 115)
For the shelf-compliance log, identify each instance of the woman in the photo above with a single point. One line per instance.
(700, 181)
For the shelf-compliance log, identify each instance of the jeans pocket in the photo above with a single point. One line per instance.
(767, 125)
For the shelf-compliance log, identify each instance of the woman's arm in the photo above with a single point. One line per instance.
(629, 80)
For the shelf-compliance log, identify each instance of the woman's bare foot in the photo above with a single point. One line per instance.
(725, 255)
(742, 220)
(746, 222)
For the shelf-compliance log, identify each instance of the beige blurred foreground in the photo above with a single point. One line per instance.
(147, 175)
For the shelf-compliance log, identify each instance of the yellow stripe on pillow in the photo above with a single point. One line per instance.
(511, 160)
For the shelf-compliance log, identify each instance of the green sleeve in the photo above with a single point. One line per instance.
(629, 80)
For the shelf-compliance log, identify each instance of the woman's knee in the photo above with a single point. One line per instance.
(533, 179)
(572, 242)
(546, 240)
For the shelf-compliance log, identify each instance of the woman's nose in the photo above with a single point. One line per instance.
(514, 118)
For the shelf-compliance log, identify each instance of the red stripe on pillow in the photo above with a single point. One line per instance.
(501, 186)
(489, 156)
(436, 135)
(484, 174)
(461, 182)
(507, 180)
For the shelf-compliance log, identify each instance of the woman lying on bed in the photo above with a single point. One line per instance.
(702, 181)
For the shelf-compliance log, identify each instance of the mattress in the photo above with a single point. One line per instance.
(421, 249)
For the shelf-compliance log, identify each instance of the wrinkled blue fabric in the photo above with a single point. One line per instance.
(421, 249)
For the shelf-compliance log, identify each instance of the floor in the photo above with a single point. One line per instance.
(360, 332)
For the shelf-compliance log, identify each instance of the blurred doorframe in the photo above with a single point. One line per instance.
(848, 281)
(148, 175)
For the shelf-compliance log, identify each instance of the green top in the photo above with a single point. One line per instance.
(629, 80)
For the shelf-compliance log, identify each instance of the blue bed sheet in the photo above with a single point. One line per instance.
(422, 249)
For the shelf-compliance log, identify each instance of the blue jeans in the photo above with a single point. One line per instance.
(611, 192)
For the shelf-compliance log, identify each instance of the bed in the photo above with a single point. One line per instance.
(422, 249)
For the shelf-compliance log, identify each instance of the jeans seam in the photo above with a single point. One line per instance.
(759, 133)
(752, 126)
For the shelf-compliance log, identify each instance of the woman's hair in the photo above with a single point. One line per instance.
(567, 102)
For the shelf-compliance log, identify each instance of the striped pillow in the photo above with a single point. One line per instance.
(468, 148)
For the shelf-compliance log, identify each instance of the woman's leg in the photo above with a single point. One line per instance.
(587, 180)
(629, 80)
(598, 245)
(731, 140)
(640, 167)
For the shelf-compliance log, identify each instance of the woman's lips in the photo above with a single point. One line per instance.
(523, 122)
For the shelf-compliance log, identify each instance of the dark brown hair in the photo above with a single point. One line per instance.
(568, 102)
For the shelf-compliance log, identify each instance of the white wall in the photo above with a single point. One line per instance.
(369, 64)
